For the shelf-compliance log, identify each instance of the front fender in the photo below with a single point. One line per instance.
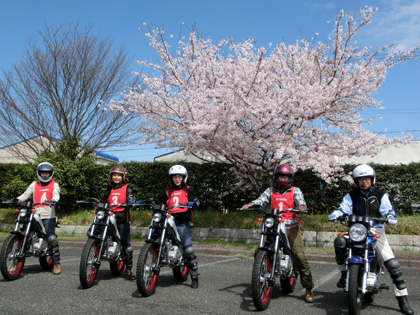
(355, 260)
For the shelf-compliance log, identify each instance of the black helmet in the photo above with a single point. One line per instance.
(285, 170)
(45, 167)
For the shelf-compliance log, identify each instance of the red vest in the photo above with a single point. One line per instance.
(43, 193)
(176, 197)
(283, 202)
(118, 196)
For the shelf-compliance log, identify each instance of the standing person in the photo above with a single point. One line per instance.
(45, 189)
(285, 196)
(367, 200)
(180, 193)
(120, 192)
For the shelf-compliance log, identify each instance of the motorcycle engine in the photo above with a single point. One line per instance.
(39, 246)
(285, 264)
(113, 250)
(174, 255)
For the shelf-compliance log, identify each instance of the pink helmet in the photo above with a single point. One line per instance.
(284, 170)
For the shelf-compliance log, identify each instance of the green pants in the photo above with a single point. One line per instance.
(296, 242)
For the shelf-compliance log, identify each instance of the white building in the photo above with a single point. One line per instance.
(392, 154)
(8, 155)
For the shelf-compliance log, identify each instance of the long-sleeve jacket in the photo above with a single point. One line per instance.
(47, 212)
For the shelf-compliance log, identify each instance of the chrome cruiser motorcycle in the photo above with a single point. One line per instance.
(104, 243)
(363, 267)
(163, 248)
(273, 258)
(28, 238)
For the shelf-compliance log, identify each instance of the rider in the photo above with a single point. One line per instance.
(45, 189)
(367, 200)
(180, 193)
(285, 196)
(119, 192)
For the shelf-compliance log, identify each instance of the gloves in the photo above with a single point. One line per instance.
(334, 216)
(392, 220)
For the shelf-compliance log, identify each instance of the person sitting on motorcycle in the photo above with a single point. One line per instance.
(45, 189)
(118, 191)
(285, 196)
(367, 200)
(180, 193)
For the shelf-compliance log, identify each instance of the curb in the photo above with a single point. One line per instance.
(214, 250)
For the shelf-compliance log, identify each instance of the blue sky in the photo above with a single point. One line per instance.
(267, 21)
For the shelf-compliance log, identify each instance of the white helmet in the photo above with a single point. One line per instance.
(364, 171)
(45, 167)
(178, 170)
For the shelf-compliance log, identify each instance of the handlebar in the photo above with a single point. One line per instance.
(29, 204)
(274, 210)
(102, 205)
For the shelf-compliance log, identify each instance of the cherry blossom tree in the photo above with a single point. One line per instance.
(254, 107)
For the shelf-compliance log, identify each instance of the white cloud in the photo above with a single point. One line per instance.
(397, 20)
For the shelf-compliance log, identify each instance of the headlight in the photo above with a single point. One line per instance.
(269, 222)
(23, 212)
(157, 217)
(357, 232)
(100, 214)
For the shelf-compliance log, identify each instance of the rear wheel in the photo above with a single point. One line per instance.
(117, 267)
(146, 275)
(180, 273)
(10, 264)
(355, 294)
(288, 284)
(88, 263)
(46, 262)
(261, 274)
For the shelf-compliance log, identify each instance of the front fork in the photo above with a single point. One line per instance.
(364, 262)
(271, 280)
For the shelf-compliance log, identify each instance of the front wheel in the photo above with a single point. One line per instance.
(88, 263)
(261, 274)
(355, 294)
(146, 275)
(180, 273)
(11, 266)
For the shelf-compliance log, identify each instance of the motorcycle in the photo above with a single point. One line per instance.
(28, 238)
(163, 248)
(273, 258)
(363, 267)
(104, 243)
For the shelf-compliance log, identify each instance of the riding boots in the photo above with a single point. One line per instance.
(194, 283)
(404, 306)
(56, 269)
(128, 274)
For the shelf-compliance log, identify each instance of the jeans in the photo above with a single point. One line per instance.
(124, 230)
(184, 231)
(49, 225)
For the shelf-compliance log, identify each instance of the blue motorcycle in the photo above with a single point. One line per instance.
(363, 267)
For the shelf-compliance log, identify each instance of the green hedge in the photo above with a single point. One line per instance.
(214, 183)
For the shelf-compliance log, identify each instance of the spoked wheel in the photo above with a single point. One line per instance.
(88, 268)
(180, 273)
(10, 265)
(146, 275)
(46, 262)
(355, 294)
(117, 267)
(288, 284)
(260, 286)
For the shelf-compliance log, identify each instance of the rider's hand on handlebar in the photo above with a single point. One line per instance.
(248, 205)
(303, 208)
(334, 216)
(392, 220)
